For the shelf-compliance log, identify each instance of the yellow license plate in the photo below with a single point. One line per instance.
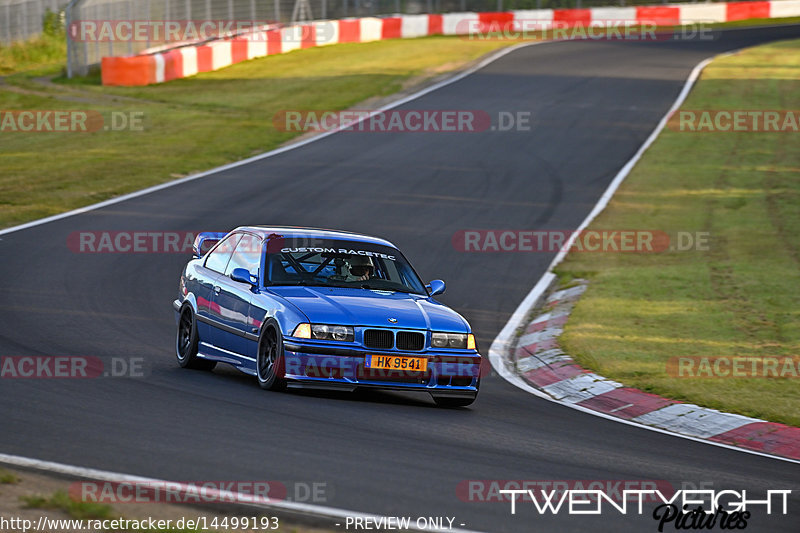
(391, 362)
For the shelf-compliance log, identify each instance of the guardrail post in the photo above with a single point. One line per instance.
(130, 18)
(111, 39)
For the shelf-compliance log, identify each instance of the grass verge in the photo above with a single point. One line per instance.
(47, 49)
(36, 496)
(738, 298)
(7, 478)
(194, 124)
(188, 125)
(61, 501)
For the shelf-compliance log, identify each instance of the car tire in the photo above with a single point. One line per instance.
(186, 343)
(270, 361)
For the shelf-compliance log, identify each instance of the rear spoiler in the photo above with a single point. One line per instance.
(204, 241)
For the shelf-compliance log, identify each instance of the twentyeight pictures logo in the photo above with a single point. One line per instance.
(684, 509)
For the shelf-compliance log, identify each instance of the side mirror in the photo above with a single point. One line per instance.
(205, 241)
(435, 287)
(242, 276)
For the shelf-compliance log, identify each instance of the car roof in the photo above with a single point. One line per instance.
(297, 231)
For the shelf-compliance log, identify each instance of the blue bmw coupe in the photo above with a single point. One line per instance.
(302, 307)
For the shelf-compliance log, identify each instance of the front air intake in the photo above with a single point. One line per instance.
(410, 340)
(382, 339)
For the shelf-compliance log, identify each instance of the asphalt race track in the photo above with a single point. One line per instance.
(592, 104)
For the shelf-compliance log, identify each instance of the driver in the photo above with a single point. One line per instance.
(361, 267)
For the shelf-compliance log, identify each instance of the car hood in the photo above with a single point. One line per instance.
(363, 307)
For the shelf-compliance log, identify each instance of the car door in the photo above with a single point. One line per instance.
(233, 299)
(214, 265)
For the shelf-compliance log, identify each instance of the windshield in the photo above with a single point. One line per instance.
(338, 263)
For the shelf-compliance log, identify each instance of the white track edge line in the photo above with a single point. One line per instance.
(495, 359)
(494, 56)
(501, 343)
(438, 85)
(101, 474)
(225, 496)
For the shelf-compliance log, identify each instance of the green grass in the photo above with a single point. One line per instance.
(61, 501)
(190, 125)
(741, 296)
(48, 49)
(8, 478)
(756, 22)
(197, 123)
(41, 51)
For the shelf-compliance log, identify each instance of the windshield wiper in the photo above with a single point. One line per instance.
(302, 282)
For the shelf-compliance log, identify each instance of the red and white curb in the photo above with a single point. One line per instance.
(189, 59)
(543, 370)
(541, 363)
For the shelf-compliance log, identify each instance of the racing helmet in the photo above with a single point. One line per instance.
(360, 265)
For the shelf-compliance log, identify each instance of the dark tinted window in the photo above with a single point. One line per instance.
(338, 263)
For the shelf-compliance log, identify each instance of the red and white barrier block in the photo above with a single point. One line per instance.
(191, 59)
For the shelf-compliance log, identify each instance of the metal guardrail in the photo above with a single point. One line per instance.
(23, 19)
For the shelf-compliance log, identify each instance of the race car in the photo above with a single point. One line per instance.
(305, 307)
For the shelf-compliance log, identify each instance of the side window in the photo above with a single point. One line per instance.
(218, 259)
(247, 255)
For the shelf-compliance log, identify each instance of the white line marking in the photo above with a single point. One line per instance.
(501, 344)
(694, 420)
(96, 474)
(621, 407)
(222, 495)
(457, 77)
(581, 387)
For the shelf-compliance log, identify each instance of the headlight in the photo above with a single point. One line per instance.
(302, 331)
(450, 340)
(332, 333)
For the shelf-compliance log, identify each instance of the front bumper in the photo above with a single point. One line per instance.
(452, 373)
